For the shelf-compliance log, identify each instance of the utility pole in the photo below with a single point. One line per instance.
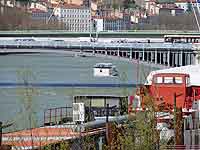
(1, 127)
(174, 118)
(195, 15)
(107, 124)
(91, 23)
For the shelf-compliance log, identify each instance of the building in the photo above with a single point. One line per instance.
(38, 6)
(76, 2)
(151, 7)
(113, 23)
(76, 18)
(42, 15)
(186, 4)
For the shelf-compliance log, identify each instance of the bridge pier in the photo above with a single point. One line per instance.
(148, 57)
(173, 59)
(135, 55)
(152, 56)
(196, 58)
(177, 59)
(156, 56)
(190, 58)
(130, 56)
(143, 59)
(186, 59)
(118, 52)
(168, 58)
(160, 62)
(106, 52)
(181, 58)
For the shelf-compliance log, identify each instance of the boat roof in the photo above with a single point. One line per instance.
(100, 96)
(103, 65)
(192, 70)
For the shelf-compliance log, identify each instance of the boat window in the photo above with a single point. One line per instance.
(168, 79)
(158, 80)
(178, 80)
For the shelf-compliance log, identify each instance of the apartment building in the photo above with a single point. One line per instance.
(76, 18)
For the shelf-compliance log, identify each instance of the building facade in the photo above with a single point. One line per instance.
(75, 18)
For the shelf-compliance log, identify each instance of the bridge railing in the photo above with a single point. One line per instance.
(97, 45)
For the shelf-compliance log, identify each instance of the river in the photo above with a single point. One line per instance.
(51, 68)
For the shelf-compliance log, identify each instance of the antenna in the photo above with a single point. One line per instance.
(53, 11)
(195, 15)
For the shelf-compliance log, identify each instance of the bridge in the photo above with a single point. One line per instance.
(108, 34)
(167, 54)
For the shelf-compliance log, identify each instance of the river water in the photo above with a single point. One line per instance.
(49, 68)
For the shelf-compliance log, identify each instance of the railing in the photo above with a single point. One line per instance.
(100, 112)
(183, 147)
(94, 45)
(57, 115)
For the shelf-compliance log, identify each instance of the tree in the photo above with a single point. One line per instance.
(189, 7)
(127, 4)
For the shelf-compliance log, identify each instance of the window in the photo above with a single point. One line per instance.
(158, 80)
(187, 81)
(178, 80)
(168, 79)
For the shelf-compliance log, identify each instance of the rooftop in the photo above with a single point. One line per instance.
(192, 70)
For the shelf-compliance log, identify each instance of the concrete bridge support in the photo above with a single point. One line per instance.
(131, 54)
(168, 58)
(135, 55)
(181, 58)
(118, 52)
(197, 58)
(143, 55)
(156, 56)
(148, 56)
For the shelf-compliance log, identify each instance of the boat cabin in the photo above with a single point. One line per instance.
(105, 70)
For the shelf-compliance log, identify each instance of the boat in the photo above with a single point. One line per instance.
(105, 70)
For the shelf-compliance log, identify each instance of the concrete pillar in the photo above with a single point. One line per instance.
(160, 58)
(122, 54)
(156, 53)
(152, 55)
(140, 54)
(168, 58)
(173, 60)
(135, 55)
(190, 58)
(143, 54)
(181, 59)
(164, 57)
(196, 59)
(118, 53)
(126, 54)
(148, 56)
(186, 58)
(130, 56)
